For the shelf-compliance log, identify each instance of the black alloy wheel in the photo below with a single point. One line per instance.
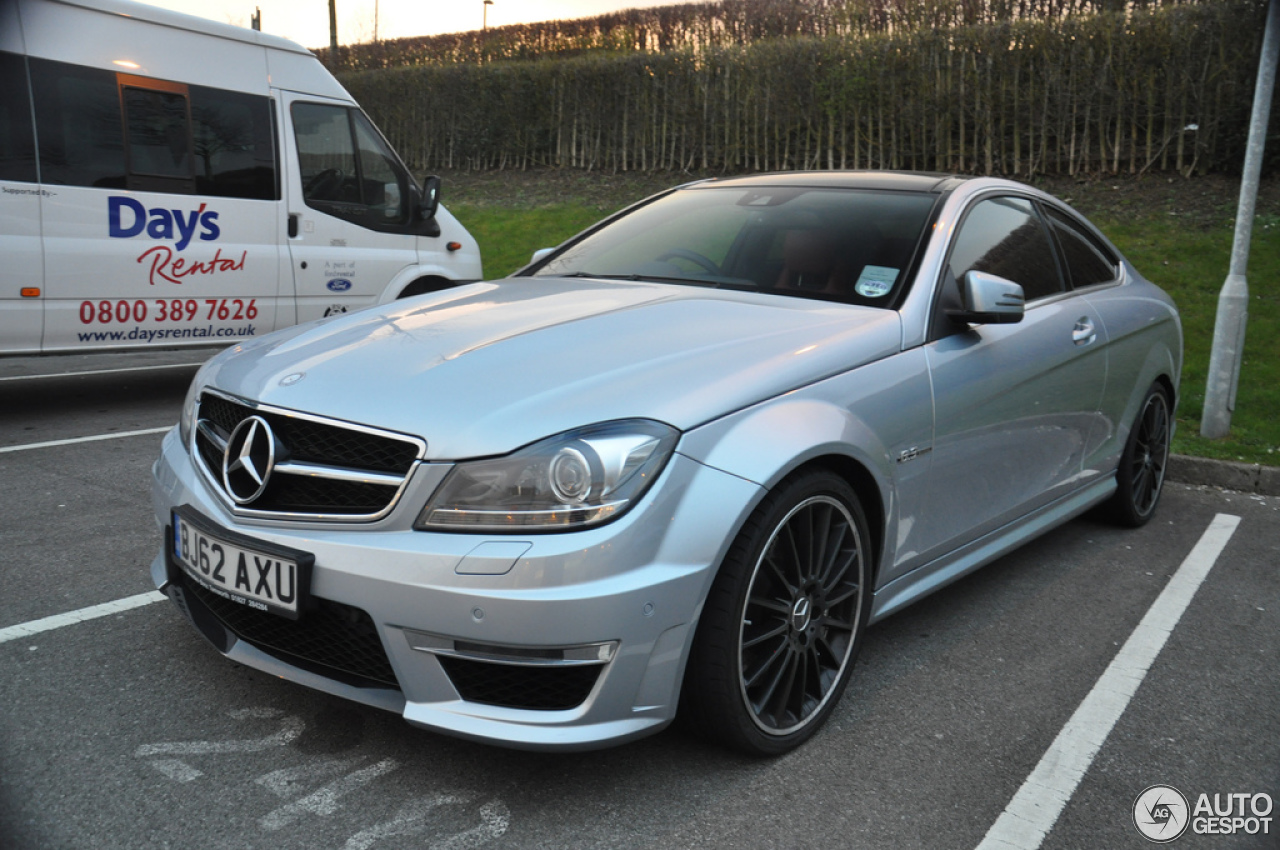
(1140, 475)
(784, 620)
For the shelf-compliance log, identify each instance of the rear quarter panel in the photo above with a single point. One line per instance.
(1145, 345)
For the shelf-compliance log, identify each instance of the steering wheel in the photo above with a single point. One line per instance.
(327, 179)
(705, 263)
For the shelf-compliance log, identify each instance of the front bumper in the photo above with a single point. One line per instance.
(546, 641)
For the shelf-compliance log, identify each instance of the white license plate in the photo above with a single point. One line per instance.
(256, 574)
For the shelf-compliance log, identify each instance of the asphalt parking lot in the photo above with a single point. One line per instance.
(1029, 705)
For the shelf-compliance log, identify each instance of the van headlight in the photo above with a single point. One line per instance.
(573, 480)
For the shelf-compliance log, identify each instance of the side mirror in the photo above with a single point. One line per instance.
(430, 198)
(989, 300)
(540, 254)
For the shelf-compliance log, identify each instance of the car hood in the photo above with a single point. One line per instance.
(486, 368)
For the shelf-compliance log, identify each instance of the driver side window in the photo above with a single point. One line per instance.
(1005, 237)
(347, 170)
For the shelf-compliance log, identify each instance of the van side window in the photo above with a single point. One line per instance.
(347, 170)
(326, 155)
(384, 185)
(234, 145)
(78, 122)
(17, 143)
(114, 131)
(158, 134)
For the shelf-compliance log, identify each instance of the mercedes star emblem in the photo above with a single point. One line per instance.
(249, 459)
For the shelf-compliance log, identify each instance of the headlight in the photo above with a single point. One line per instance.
(187, 422)
(573, 480)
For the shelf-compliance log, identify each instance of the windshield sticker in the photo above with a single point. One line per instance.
(875, 281)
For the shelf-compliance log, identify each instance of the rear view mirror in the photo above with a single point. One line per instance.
(989, 300)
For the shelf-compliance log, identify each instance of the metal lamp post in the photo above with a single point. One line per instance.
(1233, 300)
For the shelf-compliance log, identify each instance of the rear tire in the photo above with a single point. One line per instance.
(1140, 475)
(783, 622)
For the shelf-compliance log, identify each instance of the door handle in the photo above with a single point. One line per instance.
(1083, 333)
(293, 225)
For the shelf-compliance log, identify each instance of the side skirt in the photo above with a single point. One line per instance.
(924, 580)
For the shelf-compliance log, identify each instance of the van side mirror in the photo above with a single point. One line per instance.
(540, 254)
(430, 201)
(987, 299)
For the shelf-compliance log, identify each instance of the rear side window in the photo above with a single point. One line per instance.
(1006, 237)
(1088, 263)
(17, 142)
(107, 130)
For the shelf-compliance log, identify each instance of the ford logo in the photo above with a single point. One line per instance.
(339, 284)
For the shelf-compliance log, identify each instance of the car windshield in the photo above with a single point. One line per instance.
(849, 245)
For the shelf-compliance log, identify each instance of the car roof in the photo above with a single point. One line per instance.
(902, 181)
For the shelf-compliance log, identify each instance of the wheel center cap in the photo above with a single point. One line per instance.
(801, 614)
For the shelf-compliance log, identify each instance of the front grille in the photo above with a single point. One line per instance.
(544, 688)
(312, 441)
(321, 496)
(320, 463)
(330, 638)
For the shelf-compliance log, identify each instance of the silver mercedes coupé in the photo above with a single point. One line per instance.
(681, 461)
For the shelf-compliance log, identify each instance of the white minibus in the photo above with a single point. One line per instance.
(167, 181)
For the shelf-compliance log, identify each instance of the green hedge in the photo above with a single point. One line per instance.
(715, 23)
(1164, 89)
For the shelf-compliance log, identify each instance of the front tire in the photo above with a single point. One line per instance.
(784, 619)
(1140, 476)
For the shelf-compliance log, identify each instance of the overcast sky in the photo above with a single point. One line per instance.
(307, 21)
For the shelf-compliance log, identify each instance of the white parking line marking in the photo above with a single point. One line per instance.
(290, 728)
(102, 371)
(288, 781)
(176, 769)
(74, 440)
(415, 819)
(325, 801)
(409, 821)
(1035, 808)
(495, 817)
(57, 621)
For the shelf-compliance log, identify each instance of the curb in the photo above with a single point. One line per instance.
(1242, 477)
